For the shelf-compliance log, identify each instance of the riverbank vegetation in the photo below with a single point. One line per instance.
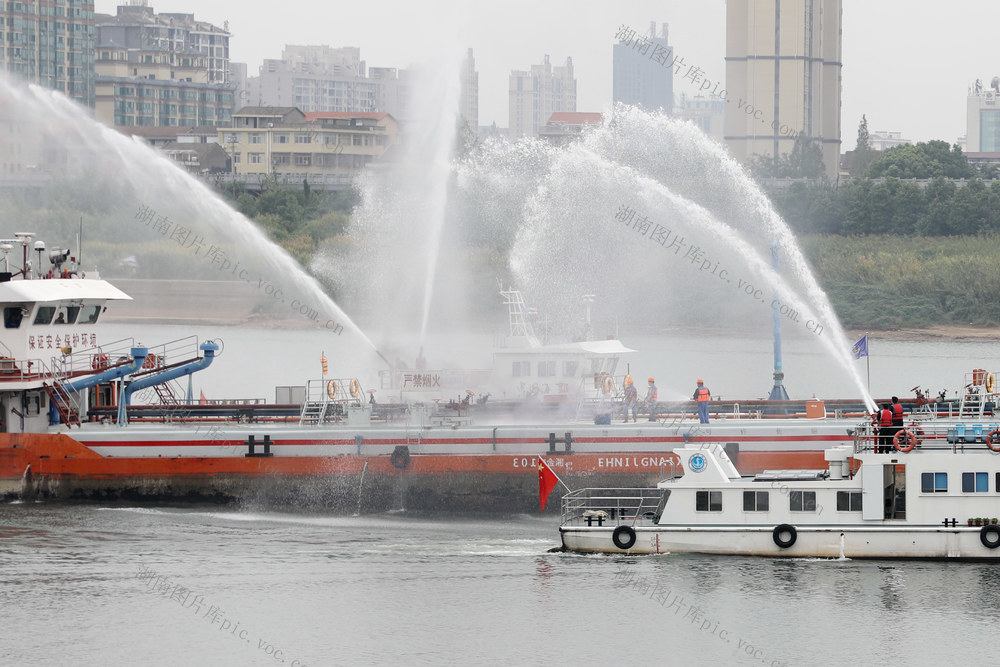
(893, 281)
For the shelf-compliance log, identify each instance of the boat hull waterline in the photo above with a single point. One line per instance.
(933, 542)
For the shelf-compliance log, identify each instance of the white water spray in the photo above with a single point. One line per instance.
(147, 180)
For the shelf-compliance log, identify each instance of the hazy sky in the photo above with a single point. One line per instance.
(907, 63)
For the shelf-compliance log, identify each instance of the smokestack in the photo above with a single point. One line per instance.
(665, 29)
(652, 29)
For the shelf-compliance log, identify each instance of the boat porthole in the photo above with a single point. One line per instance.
(784, 529)
(990, 536)
(400, 457)
(623, 537)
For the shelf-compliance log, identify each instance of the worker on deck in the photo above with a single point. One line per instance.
(897, 413)
(885, 430)
(703, 396)
(651, 399)
(631, 397)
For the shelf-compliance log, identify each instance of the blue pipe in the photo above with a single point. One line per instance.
(778, 392)
(139, 355)
(208, 348)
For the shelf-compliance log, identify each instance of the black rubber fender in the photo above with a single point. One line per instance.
(623, 537)
(400, 457)
(784, 528)
(986, 533)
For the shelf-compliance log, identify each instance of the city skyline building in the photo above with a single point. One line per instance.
(469, 93)
(50, 43)
(315, 78)
(707, 112)
(535, 94)
(783, 77)
(161, 69)
(983, 118)
(883, 140)
(326, 146)
(638, 79)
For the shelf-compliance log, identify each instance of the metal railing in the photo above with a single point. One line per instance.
(929, 435)
(595, 507)
(94, 359)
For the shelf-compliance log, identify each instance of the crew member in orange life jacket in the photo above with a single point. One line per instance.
(703, 396)
(651, 400)
(885, 430)
(897, 413)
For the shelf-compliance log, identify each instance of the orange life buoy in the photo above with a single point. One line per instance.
(331, 389)
(609, 385)
(99, 361)
(355, 388)
(149, 361)
(989, 383)
(993, 440)
(904, 436)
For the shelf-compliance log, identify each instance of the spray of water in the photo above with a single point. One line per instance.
(648, 213)
(146, 181)
(401, 254)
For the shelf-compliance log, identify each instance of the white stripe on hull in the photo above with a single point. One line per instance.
(819, 542)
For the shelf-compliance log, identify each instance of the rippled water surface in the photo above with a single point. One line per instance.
(199, 585)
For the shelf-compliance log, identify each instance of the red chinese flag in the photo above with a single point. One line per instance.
(546, 482)
(203, 400)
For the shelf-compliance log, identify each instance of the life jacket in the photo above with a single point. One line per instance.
(703, 394)
(897, 413)
(885, 417)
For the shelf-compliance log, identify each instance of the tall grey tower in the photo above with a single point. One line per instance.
(783, 62)
(640, 80)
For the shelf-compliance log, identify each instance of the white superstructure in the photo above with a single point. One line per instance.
(940, 499)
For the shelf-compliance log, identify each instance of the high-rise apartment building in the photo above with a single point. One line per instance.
(50, 43)
(469, 93)
(638, 79)
(983, 118)
(783, 66)
(534, 95)
(322, 78)
(161, 69)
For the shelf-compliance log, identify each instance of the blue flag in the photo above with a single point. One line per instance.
(860, 348)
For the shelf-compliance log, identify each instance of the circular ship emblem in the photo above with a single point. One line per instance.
(697, 462)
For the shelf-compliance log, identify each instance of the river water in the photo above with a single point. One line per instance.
(95, 584)
(255, 360)
(196, 585)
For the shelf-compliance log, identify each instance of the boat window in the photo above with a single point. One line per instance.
(90, 314)
(848, 501)
(12, 316)
(933, 482)
(596, 365)
(521, 369)
(44, 314)
(546, 369)
(802, 501)
(66, 314)
(755, 501)
(708, 501)
(32, 403)
(975, 482)
(569, 368)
